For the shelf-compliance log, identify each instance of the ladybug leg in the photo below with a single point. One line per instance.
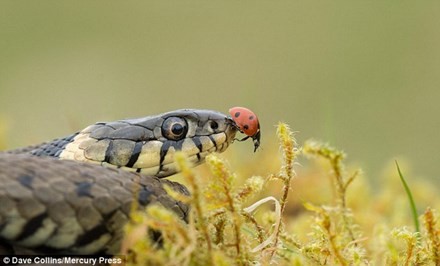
(256, 140)
(243, 139)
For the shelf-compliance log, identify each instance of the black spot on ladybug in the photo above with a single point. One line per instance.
(251, 117)
(246, 127)
(237, 114)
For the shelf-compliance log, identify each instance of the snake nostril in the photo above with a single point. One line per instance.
(214, 125)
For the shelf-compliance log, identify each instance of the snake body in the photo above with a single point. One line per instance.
(56, 198)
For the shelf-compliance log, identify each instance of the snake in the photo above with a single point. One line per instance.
(74, 195)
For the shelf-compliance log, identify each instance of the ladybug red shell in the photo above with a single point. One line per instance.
(247, 122)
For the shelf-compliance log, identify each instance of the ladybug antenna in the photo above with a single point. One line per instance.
(233, 124)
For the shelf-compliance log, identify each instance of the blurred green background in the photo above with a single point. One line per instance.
(363, 76)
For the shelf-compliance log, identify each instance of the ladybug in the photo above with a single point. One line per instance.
(247, 122)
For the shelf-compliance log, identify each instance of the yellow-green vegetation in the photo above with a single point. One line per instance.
(327, 214)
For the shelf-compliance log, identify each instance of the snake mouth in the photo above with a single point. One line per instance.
(148, 145)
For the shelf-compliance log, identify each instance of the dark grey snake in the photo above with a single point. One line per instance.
(76, 206)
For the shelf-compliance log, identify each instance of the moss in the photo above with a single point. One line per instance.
(433, 235)
(273, 220)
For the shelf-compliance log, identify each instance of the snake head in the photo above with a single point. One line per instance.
(148, 144)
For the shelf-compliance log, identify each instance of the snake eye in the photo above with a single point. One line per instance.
(174, 128)
(213, 125)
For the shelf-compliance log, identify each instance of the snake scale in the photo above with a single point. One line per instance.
(56, 198)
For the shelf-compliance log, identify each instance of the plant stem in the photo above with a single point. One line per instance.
(411, 199)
